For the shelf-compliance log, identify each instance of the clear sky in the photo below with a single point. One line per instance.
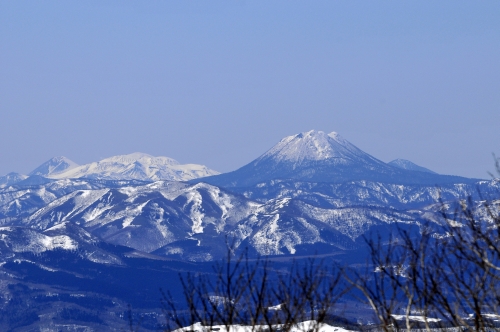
(220, 82)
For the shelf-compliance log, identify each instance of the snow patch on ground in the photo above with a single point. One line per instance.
(301, 327)
(417, 318)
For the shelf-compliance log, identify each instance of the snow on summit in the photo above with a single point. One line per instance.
(53, 166)
(138, 166)
(313, 146)
(315, 156)
(10, 179)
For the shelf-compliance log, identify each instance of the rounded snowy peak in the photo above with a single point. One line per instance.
(137, 166)
(313, 146)
(143, 158)
(10, 179)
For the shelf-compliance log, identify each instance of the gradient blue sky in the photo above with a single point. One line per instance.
(220, 82)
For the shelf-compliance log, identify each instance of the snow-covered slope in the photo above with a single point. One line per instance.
(64, 236)
(139, 166)
(23, 198)
(19, 239)
(366, 193)
(192, 221)
(147, 217)
(406, 164)
(316, 146)
(315, 156)
(54, 166)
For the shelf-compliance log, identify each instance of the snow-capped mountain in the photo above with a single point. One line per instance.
(19, 239)
(110, 233)
(10, 179)
(315, 156)
(311, 189)
(316, 146)
(134, 166)
(406, 164)
(54, 166)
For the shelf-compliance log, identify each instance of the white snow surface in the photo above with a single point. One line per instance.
(136, 166)
(136, 217)
(300, 327)
(417, 318)
(123, 220)
(54, 166)
(11, 178)
(314, 146)
(35, 242)
(22, 240)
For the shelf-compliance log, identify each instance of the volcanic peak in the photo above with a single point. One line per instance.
(311, 146)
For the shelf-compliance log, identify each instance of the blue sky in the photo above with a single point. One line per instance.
(220, 82)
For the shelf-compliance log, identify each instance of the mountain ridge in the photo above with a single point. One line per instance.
(306, 185)
(134, 166)
(406, 164)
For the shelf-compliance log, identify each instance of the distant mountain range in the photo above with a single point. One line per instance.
(310, 156)
(77, 238)
(134, 166)
(310, 191)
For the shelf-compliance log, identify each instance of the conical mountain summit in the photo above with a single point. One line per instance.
(315, 156)
(317, 146)
(53, 166)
